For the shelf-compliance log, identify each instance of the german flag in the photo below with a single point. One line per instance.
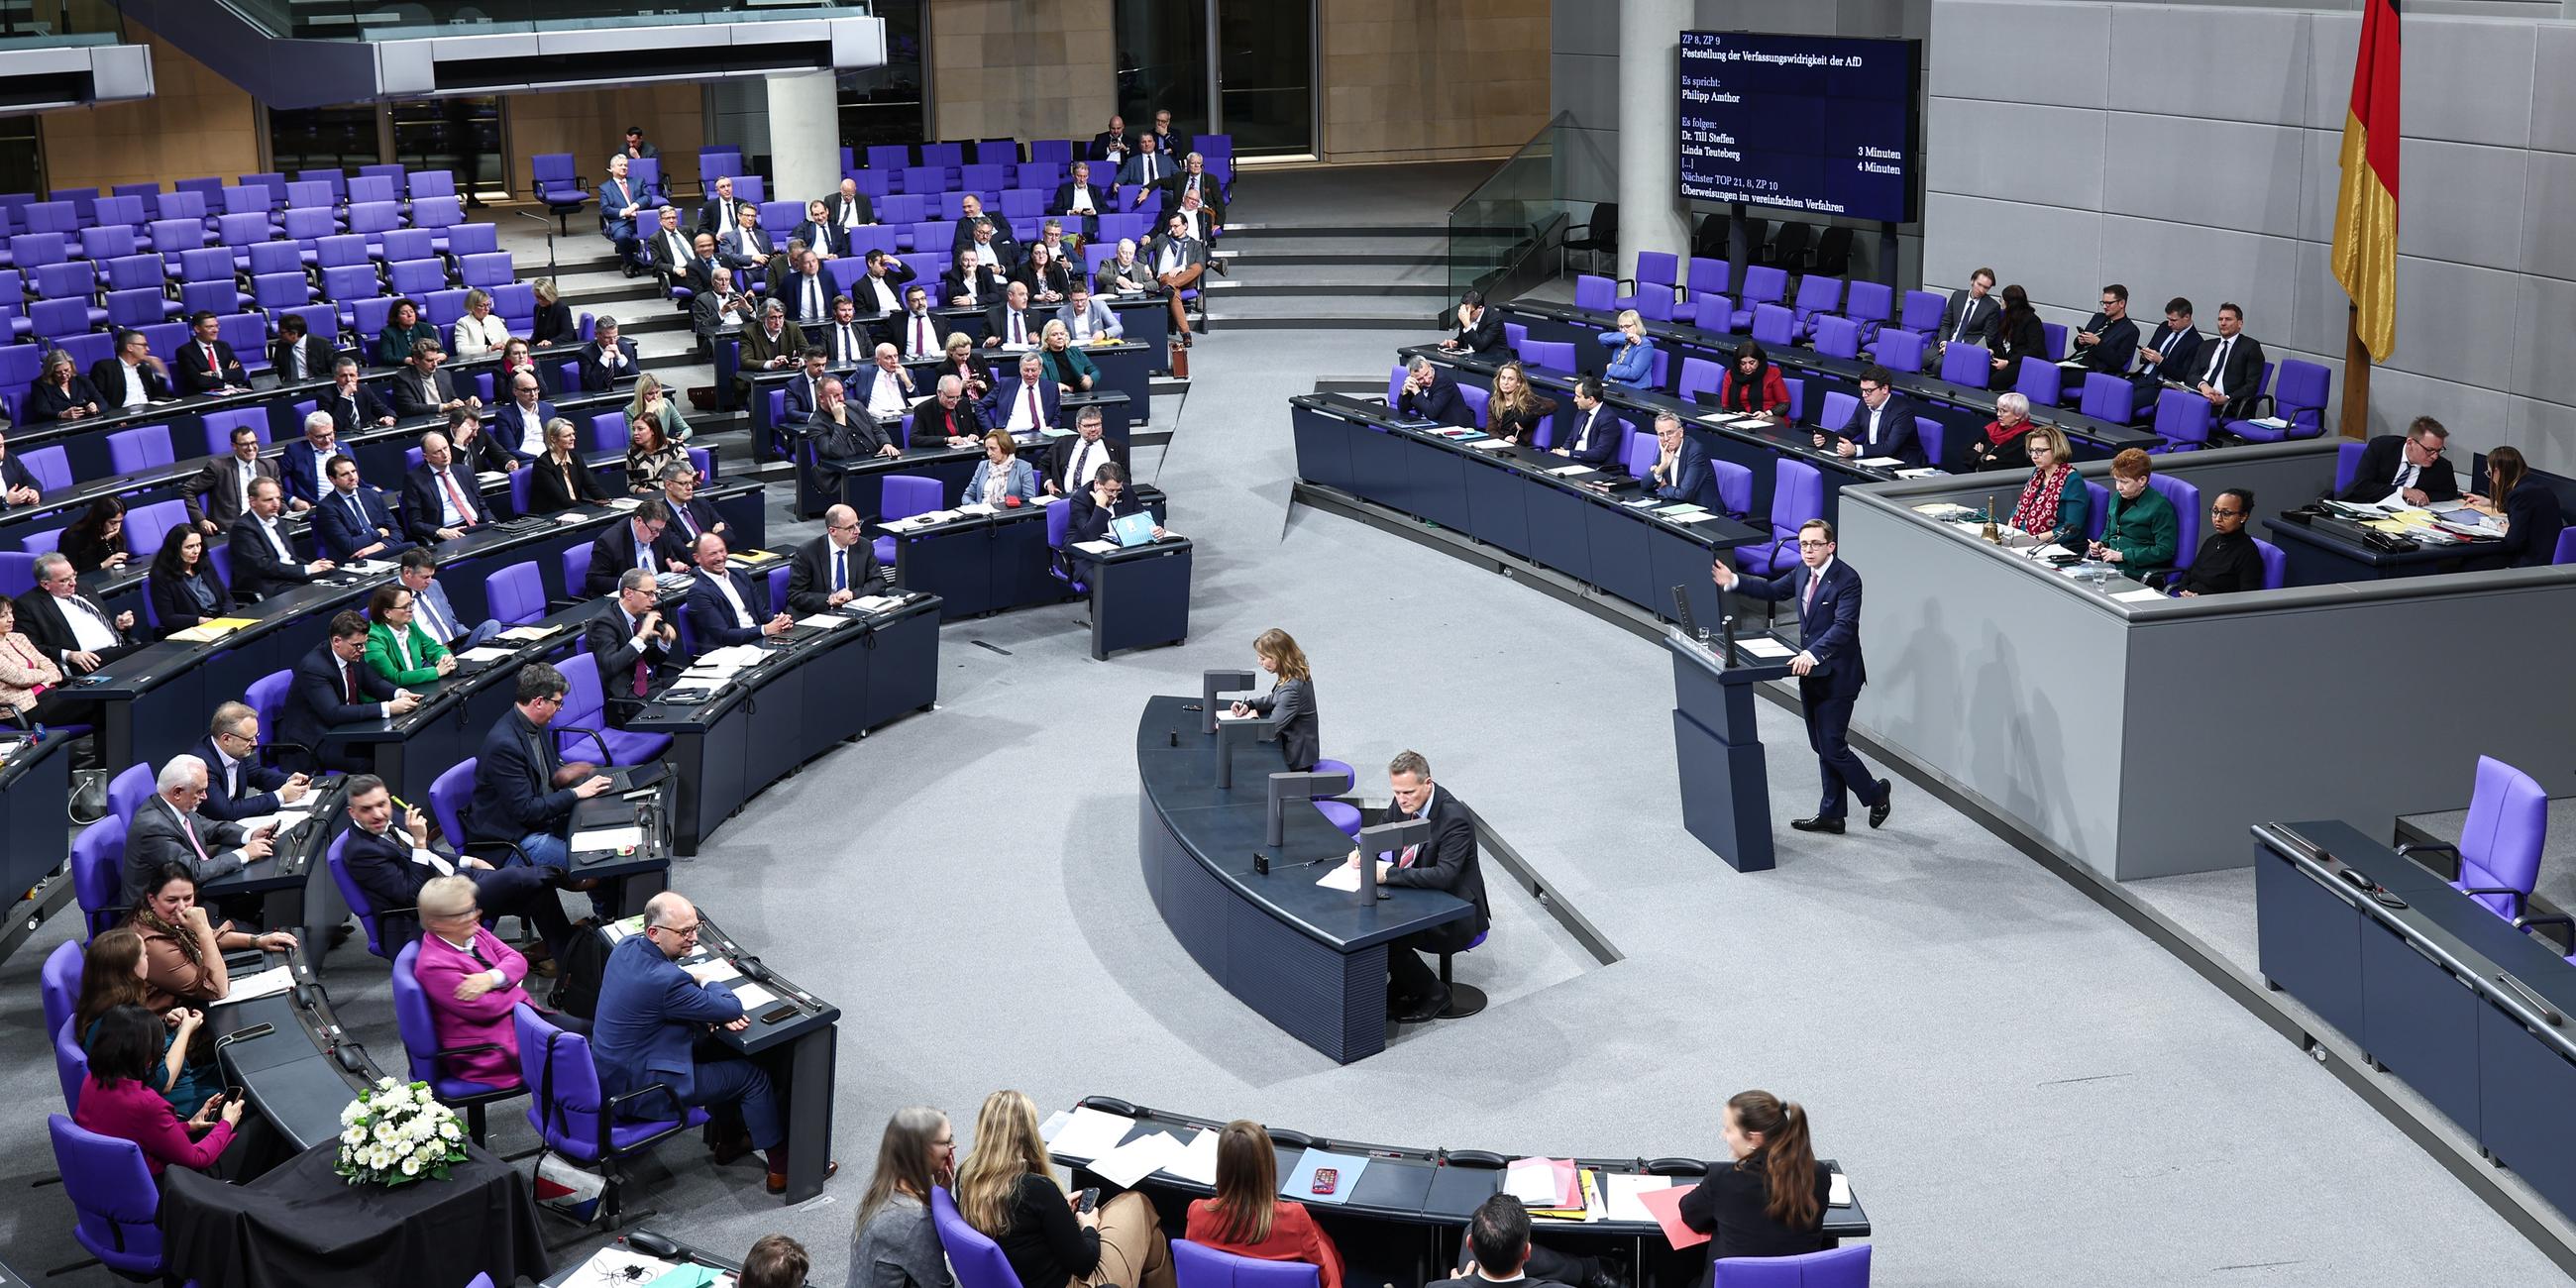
(2365, 236)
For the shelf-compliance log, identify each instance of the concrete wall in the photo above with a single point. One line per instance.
(1420, 80)
(2191, 150)
(1023, 69)
(196, 123)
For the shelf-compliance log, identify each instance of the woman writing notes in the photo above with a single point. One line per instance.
(1291, 699)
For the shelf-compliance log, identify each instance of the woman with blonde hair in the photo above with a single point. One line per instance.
(1632, 353)
(1293, 692)
(653, 401)
(1005, 1190)
(1516, 411)
(1248, 1218)
(479, 332)
(895, 1244)
(2054, 504)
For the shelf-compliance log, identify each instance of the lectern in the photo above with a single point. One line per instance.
(1726, 790)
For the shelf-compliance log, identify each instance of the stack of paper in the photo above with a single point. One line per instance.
(622, 503)
(1044, 501)
(1543, 1182)
(1197, 1162)
(527, 634)
(1340, 876)
(210, 630)
(276, 979)
(875, 603)
(601, 839)
(1626, 1192)
(1765, 646)
(823, 621)
(1139, 1158)
(1488, 444)
(484, 653)
(1089, 1133)
(1879, 462)
(1097, 547)
(2141, 595)
(978, 507)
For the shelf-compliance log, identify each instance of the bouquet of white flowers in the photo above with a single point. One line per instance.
(395, 1133)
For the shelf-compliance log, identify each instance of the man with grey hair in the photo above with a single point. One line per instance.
(1029, 406)
(237, 785)
(168, 829)
(1446, 862)
(947, 417)
(1429, 394)
(1123, 273)
(774, 345)
(632, 643)
(305, 465)
(69, 626)
(689, 515)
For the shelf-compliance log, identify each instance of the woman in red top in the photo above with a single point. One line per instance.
(1248, 1219)
(1753, 383)
(118, 1099)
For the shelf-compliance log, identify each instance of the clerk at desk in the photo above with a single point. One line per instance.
(1446, 862)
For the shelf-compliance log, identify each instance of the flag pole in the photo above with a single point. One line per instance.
(2356, 377)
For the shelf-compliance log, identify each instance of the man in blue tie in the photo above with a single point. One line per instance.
(1828, 666)
(351, 523)
(834, 568)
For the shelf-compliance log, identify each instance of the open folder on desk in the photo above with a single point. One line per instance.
(1543, 1182)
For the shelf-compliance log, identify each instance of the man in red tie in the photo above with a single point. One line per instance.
(1446, 862)
(1027, 406)
(632, 643)
(207, 365)
(333, 688)
(441, 500)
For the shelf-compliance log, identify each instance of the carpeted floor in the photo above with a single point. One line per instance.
(2024, 1090)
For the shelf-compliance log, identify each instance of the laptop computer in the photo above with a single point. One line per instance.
(1133, 529)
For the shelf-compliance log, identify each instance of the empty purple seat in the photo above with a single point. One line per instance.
(246, 199)
(59, 320)
(416, 276)
(305, 227)
(184, 203)
(136, 449)
(373, 188)
(373, 219)
(341, 251)
(275, 257)
(107, 241)
(472, 239)
(407, 243)
(349, 282)
(491, 269)
(141, 307)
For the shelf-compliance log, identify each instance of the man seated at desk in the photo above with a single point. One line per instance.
(333, 688)
(352, 523)
(393, 865)
(1429, 394)
(1106, 499)
(1880, 424)
(720, 306)
(2169, 354)
(1087, 319)
(2108, 339)
(946, 418)
(17, 483)
(652, 1013)
(1446, 862)
(842, 340)
(168, 829)
(1681, 470)
(636, 543)
(263, 556)
(607, 362)
(969, 284)
(520, 426)
(1498, 1250)
(2233, 370)
(71, 629)
(885, 387)
(1028, 406)
(2140, 530)
(1071, 462)
(803, 392)
(2406, 468)
(690, 516)
(430, 609)
(879, 291)
(305, 465)
(219, 493)
(636, 648)
(1479, 330)
(348, 404)
(424, 390)
(917, 331)
(1122, 273)
(834, 568)
(726, 607)
(844, 436)
(132, 376)
(208, 365)
(524, 792)
(442, 500)
(237, 786)
(1594, 435)
(1011, 322)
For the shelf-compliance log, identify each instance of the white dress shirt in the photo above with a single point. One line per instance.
(887, 399)
(724, 587)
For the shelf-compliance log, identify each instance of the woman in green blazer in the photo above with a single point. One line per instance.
(1068, 366)
(2141, 531)
(399, 650)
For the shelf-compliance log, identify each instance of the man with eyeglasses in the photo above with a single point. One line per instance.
(237, 785)
(167, 829)
(636, 543)
(524, 793)
(834, 568)
(393, 865)
(1829, 668)
(473, 982)
(333, 688)
(2229, 560)
(2109, 339)
(70, 627)
(1881, 424)
(2405, 468)
(652, 1011)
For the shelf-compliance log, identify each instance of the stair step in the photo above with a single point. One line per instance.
(1265, 231)
(1234, 323)
(1346, 290)
(1280, 248)
(1266, 257)
(1424, 314)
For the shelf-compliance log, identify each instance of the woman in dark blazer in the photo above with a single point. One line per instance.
(404, 327)
(96, 539)
(1292, 698)
(1515, 411)
(554, 323)
(61, 392)
(2531, 514)
(2018, 335)
(184, 588)
(1768, 1199)
(562, 481)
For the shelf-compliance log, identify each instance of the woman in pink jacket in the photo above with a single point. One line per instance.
(119, 1098)
(472, 980)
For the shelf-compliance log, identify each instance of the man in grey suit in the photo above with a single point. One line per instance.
(1088, 318)
(1970, 318)
(431, 611)
(168, 829)
(219, 493)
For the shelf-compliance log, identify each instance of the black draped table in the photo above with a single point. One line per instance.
(301, 1225)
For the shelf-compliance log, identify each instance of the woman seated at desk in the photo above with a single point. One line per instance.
(2004, 443)
(1516, 411)
(1632, 353)
(404, 327)
(2527, 510)
(96, 539)
(554, 324)
(1293, 693)
(958, 360)
(649, 452)
(1769, 1198)
(2019, 337)
(2054, 504)
(60, 391)
(1002, 473)
(2228, 562)
(183, 951)
(562, 481)
(1068, 366)
(653, 402)
(112, 976)
(397, 648)
(1753, 385)
(1006, 1189)
(118, 1098)
(1247, 1218)
(182, 586)
(2140, 531)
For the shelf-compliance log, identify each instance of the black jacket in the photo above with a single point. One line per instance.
(188, 369)
(611, 641)
(2244, 366)
(175, 609)
(2375, 476)
(1446, 862)
(1486, 335)
(256, 568)
(107, 376)
(809, 577)
(1728, 1203)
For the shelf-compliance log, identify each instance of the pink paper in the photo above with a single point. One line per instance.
(1666, 1204)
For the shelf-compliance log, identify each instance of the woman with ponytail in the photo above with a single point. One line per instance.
(1769, 1199)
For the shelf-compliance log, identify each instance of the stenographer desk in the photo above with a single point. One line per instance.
(2330, 551)
(798, 1047)
(812, 692)
(1308, 959)
(1140, 595)
(1404, 1218)
(2476, 1016)
(1509, 498)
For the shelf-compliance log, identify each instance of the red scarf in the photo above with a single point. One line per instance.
(1998, 433)
(2038, 509)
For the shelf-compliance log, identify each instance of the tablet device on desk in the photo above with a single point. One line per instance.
(1133, 529)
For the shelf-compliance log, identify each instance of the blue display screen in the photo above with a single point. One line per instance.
(1819, 124)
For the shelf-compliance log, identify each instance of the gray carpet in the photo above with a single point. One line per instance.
(2024, 1090)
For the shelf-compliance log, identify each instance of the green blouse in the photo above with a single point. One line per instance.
(425, 653)
(2145, 531)
(1062, 368)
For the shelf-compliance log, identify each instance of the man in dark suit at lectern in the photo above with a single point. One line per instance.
(1828, 666)
(1446, 862)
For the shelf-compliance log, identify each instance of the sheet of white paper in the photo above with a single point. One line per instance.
(1623, 1200)
(977, 508)
(1765, 646)
(1488, 444)
(1054, 1123)
(1839, 1196)
(276, 979)
(2139, 596)
(1090, 1133)
(717, 971)
(753, 997)
(485, 653)
(1096, 547)
(1701, 517)
(1197, 1161)
(824, 620)
(1564, 471)
(1533, 1186)
(1138, 1158)
(570, 516)
(1880, 462)
(1340, 877)
(618, 1266)
(607, 838)
(1248, 715)
(1923, 473)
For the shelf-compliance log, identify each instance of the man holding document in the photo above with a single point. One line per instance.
(1828, 666)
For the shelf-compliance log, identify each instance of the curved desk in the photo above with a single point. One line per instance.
(1308, 959)
(1403, 1218)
